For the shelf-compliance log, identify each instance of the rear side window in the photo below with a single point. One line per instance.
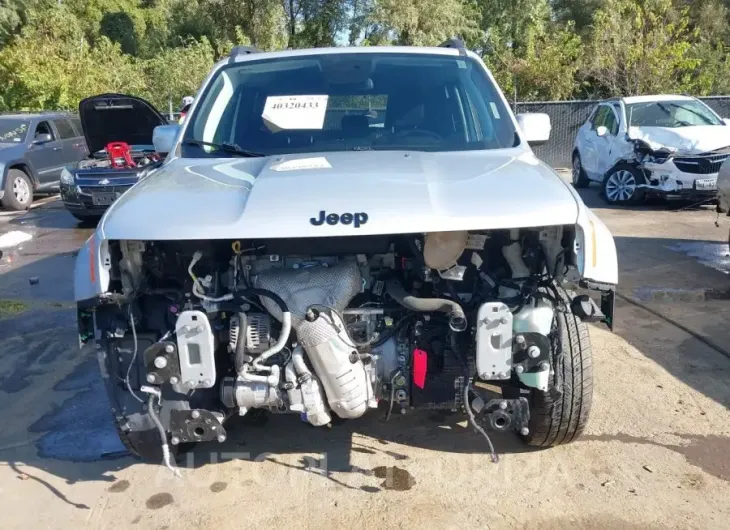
(77, 126)
(64, 128)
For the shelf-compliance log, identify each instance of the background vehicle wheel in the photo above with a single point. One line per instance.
(580, 179)
(559, 417)
(620, 186)
(18, 191)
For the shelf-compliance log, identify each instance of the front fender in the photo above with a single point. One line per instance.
(91, 272)
(597, 257)
(600, 260)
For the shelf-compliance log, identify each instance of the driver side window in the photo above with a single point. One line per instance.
(599, 118)
(43, 128)
(610, 122)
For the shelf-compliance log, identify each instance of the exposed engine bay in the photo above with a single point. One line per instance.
(330, 328)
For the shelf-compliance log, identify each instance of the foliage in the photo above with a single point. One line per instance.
(177, 72)
(640, 47)
(52, 54)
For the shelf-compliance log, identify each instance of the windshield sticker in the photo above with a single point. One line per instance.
(495, 111)
(14, 134)
(294, 112)
(317, 162)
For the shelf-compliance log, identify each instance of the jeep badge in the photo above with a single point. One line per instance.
(355, 219)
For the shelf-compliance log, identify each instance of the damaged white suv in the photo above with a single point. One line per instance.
(671, 146)
(336, 231)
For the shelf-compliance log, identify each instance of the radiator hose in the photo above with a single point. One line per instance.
(457, 318)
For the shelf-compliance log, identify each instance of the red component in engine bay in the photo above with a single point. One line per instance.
(120, 155)
(420, 367)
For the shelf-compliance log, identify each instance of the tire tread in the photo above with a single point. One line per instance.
(560, 419)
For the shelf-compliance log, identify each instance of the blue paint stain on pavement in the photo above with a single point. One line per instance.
(81, 428)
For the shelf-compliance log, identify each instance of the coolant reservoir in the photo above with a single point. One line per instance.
(442, 249)
(535, 317)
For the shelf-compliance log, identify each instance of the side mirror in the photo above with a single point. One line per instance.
(164, 136)
(601, 131)
(42, 139)
(535, 127)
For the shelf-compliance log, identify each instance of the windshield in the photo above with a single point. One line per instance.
(340, 102)
(681, 113)
(13, 130)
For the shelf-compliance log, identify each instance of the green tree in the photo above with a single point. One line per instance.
(50, 65)
(417, 22)
(177, 72)
(544, 68)
(639, 47)
(580, 12)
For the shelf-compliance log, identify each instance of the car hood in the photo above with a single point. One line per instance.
(388, 192)
(8, 149)
(118, 118)
(684, 140)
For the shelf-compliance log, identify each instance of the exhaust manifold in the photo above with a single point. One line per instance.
(322, 333)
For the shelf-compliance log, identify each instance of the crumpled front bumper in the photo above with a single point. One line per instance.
(667, 180)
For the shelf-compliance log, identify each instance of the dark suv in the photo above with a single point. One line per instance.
(34, 149)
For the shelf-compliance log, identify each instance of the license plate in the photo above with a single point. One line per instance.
(706, 184)
(103, 199)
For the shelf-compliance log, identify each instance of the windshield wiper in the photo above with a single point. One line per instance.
(701, 116)
(669, 113)
(225, 147)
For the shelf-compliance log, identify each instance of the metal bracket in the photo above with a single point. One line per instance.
(505, 415)
(195, 426)
(161, 363)
(494, 341)
(196, 350)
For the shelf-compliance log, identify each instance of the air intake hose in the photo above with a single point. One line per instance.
(457, 318)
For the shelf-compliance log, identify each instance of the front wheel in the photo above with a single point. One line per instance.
(621, 185)
(559, 415)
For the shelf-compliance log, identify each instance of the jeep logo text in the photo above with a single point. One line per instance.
(355, 219)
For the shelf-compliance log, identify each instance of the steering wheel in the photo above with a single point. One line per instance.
(419, 132)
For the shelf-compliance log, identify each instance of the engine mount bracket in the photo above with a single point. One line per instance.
(195, 426)
(494, 341)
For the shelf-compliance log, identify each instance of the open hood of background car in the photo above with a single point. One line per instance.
(118, 118)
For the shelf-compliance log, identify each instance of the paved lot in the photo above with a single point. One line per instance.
(655, 454)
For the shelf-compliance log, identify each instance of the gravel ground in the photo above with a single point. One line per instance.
(655, 454)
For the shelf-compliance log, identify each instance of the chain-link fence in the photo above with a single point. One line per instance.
(566, 118)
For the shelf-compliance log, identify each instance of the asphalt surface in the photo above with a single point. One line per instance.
(655, 454)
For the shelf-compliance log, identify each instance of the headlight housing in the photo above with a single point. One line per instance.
(66, 177)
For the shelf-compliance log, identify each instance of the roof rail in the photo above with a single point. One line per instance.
(36, 112)
(242, 50)
(456, 43)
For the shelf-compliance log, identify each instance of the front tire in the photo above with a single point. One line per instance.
(621, 185)
(18, 191)
(559, 416)
(580, 179)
